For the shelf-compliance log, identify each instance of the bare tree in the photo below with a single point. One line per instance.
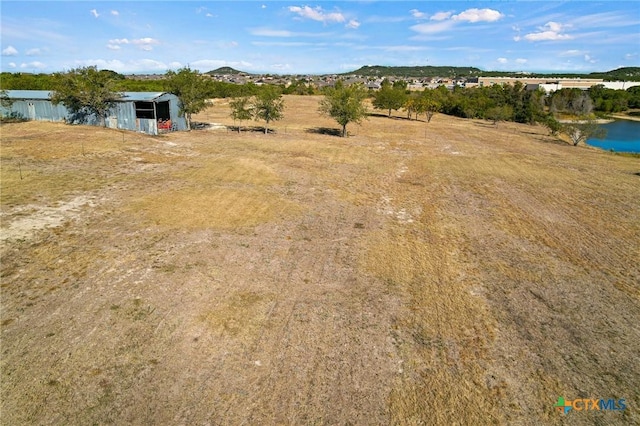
(580, 130)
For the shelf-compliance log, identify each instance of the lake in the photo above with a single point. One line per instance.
(622, 136)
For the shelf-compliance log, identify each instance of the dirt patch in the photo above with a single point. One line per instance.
(33, 218)
(413, 273)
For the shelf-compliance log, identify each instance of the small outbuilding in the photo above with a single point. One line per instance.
(147, 112)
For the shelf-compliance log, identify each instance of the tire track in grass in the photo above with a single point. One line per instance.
(444, 331)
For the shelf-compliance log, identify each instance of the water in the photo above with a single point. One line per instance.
(622, 136)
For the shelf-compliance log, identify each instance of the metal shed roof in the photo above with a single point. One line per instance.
(141, 96)
(28, 94)
(45, 94)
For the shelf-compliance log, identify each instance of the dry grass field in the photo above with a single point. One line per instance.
(447, 273)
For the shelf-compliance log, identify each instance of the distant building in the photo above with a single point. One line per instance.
(147, 112)
(552, 84)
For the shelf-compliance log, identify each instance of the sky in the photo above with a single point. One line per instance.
(318, 37)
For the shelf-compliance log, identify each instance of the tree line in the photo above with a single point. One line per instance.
(86, 91)
(464, 102)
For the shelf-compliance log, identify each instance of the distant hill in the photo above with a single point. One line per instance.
(418, 71)
(626, 73)
(225, 70)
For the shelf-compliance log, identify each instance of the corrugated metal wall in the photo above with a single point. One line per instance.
(38, 110)
(122, 116)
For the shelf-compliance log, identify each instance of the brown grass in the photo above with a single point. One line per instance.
(445, 273)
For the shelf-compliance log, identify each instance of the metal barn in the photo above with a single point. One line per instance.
(147, 112)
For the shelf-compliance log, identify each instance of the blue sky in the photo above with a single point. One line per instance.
(283, 37)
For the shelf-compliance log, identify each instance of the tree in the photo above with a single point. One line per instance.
(191, 89)
(86, 91)
(499, 113)
(7, 103)
(580, 130)
(268, 106)
(609, 100)
(573, 101)
(390, 96)
(634, 96)
(241, 110)
(345, 104)
(428, 103)
(5, 100)
(534, 106)
(411, 106)
(550, 122)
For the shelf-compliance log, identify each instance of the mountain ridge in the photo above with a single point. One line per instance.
(622, 73)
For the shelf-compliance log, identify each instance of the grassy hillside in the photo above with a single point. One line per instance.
(453, 272)
(417, 71)
(626, 74)
(224, 70)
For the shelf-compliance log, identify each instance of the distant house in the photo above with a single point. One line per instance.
(373, 85)
(147, 112)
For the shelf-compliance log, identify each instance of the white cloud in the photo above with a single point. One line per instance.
(210, 64)
(114, 44)
(145, 43)
(204, 10)
(317, 14)
(115, 13)
(572, 52)
(441, 16)
(264, 6)
(502, 60)
(114, 65)
(9, 51)
(551, 31)
(12, 65)
(521, 61)
(478, 15)
(630, 56)
(149, 64)
(33, 65)
(145, 40)
(404, 48)
(433, 28)
(287, 43)
(94, 12)
(34, 52)
(353, 24)
(417, 14)
(444, 21)
(266, 32)
(605, 19)
(281, 67)
(589, 59)
(137, 65)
